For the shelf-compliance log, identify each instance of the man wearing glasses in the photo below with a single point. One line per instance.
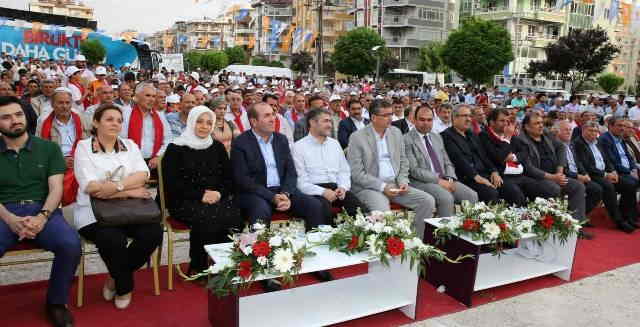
(380, 169)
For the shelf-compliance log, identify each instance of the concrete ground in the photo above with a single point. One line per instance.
(607, 299)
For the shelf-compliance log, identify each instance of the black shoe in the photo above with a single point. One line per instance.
(59, 315)
(270, 285)
(625, 227)
(323, 275)
(588, 224)
(583, 234)
(633, 224)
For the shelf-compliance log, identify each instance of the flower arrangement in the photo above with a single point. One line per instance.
(503, 226)
(256, 251)
(495, 224)
(551, 218)
(385, 235)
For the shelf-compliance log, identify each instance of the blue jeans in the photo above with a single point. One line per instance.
(56, 236)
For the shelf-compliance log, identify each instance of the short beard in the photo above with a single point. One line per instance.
(13, 135)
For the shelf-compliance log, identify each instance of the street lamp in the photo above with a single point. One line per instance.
(375, 49)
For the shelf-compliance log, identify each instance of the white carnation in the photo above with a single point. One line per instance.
(378, 227)
(262, 261)
(247, 250)
(492, 230)
(258, 226)
(373, 248)
(387, 229)
(487, 216)
(283, 260)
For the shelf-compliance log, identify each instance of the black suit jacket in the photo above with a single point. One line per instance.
(577, 161)
(345, 129)
(607, 143)
(250, 171)
(497, 150)
(402, 125)
(588, 161)
(463, 151)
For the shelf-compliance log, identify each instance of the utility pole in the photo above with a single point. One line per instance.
(319, 38)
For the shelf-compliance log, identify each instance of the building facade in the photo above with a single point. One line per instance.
(408, 25)
(71, 8)
(533, 24)
(273, 23)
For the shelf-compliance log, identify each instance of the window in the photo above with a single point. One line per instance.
(430, 14)
(531, 30)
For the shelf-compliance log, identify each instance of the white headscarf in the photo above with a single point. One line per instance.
(189, 137)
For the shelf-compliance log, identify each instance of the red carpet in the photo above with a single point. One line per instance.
(22, 305)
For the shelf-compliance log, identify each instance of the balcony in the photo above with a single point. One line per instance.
(406, 41)
(396, 21)
(541, 40)
(244, 31)
(504, 13)
(400, 3)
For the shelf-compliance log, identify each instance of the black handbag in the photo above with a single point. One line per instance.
(121, 212)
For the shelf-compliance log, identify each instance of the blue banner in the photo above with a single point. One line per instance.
(56, 44)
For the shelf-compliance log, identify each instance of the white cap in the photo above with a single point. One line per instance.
(201, 89)
(514, 90)
(334, 97)
(80, 58)
(195, 75)
(215, 90)
(207, 85)
(316, 90)
(353, 93)
(584, 102)
(174, 98)
(62, 89)
(379, 97)
(101, 70)
(71, 70)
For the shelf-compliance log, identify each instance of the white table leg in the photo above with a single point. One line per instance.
(398, 278)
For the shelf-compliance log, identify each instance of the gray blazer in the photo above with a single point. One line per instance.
(532, 159)
(362, 155)
(419, 167)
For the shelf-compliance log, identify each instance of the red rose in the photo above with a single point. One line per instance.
(261, 249)
(395, 246)
(354, 242)
(244, 269)
(547, 221)
(469, 224)
(503, 226)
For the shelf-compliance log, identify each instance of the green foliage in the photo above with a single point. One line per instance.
(93, 50)
(388, 62)
(236, 55)
(610, 82)
(301, 62)
(431, 60)
(214, 61)
(277, 63)
(352, 52)
(262, 61)
(576, 57)
(478, 49)
(192, 60)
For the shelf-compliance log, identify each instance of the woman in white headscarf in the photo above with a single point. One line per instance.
(196, 173)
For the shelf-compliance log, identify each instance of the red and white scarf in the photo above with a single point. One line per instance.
(135, 128)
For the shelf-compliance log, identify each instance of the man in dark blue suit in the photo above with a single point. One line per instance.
(265, 177)
(615, 150)
(354, 122)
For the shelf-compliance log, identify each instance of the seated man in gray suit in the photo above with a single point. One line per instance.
(380, 170)
(430, 169)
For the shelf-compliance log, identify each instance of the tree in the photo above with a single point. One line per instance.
(259, 61)
(236, 55)
(193, 60)
(301, 62)
(576, 57)
(277, 63)
(328, 68)
(352, 53)
(610, 82)
(93, 50)
(388, 63)
(214, 61)
(478, 49)
(431, 60)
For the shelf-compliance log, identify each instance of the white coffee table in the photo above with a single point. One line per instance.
(487, 270)
(324, 303)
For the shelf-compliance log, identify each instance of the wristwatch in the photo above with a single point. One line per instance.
(119, 186)
(46, 213)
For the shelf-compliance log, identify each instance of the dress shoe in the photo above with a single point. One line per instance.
(323, 275)
(588, 224)
(270, 285)
(633, 224)
(122, 302)
(583, 234)
(625, 227)
(108, 293)
(59, 315)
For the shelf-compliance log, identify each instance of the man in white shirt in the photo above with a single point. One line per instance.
(322, 168)
(351, 124)
(443, 120)
(146, 127)
(105, 95)
(237, 113)
(634, 113)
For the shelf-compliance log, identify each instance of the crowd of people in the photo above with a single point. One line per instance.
(235, 149)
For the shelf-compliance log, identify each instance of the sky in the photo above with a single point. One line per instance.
(146, 16)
